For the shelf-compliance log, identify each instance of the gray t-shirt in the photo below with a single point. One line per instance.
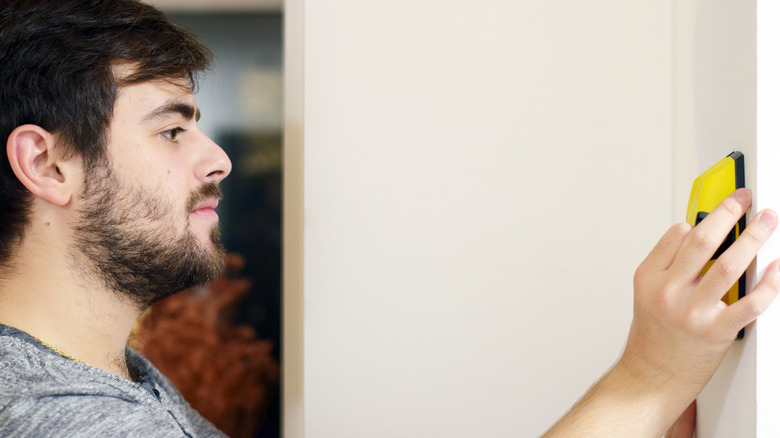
(43, 394)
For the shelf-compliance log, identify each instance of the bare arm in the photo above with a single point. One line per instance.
(681, 330)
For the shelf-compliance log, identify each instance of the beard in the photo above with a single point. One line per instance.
(127, 240)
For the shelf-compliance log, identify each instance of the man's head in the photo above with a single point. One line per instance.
(99, 77)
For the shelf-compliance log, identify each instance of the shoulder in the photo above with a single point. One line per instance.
(77, 414)
(26, 362)
(82, 409)
(44, 394)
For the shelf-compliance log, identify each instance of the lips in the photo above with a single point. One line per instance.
(204, 200)
(205, 209)
(207, 204)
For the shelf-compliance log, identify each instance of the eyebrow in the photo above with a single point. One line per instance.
(173, 107)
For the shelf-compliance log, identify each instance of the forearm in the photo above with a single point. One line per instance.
(623, 404)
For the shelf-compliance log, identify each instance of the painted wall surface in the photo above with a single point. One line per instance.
(479, 181)
(728, 98)
(715, 114)
(768, 196)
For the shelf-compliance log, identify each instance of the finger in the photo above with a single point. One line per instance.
(733, 262)
(705, 238)
(685, 425)
(747, 309)
(663, 253)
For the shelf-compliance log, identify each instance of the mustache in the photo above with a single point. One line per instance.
(210, 190)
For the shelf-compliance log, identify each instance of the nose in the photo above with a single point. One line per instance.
(214, 164)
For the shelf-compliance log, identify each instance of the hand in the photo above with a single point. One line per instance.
(681, 329)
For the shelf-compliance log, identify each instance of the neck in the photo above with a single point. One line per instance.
(87, 331)
(43, 297)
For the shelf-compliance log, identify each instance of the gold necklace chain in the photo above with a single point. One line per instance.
(58, 351)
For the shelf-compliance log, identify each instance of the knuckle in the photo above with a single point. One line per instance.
(639, 276)
(752, 310)
(664, 300)
(681, 229)
(690, 322)
(643, 274)
(752, 237)
(749, 312)
(732, 206)
(703, 240)
(725, 269)
(678, 232)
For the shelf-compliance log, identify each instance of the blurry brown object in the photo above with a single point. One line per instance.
(222, 369)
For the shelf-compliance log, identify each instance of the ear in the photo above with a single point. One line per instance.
(30, 150)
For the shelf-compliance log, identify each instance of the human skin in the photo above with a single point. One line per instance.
(139, 226)
(63, 303)
(681, 329)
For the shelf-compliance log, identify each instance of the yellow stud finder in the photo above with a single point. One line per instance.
(709, 189)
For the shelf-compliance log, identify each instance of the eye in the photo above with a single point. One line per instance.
(171, 134)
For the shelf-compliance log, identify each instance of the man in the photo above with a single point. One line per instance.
(107, 197)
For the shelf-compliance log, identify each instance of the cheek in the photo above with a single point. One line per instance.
(169, 177)
(160, 175)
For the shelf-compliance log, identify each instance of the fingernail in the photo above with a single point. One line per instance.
(743, 196)
(768, 218)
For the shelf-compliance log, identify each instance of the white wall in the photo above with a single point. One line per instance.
(715, 114)
(470, 186)
(727, 66)
(768, 196)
